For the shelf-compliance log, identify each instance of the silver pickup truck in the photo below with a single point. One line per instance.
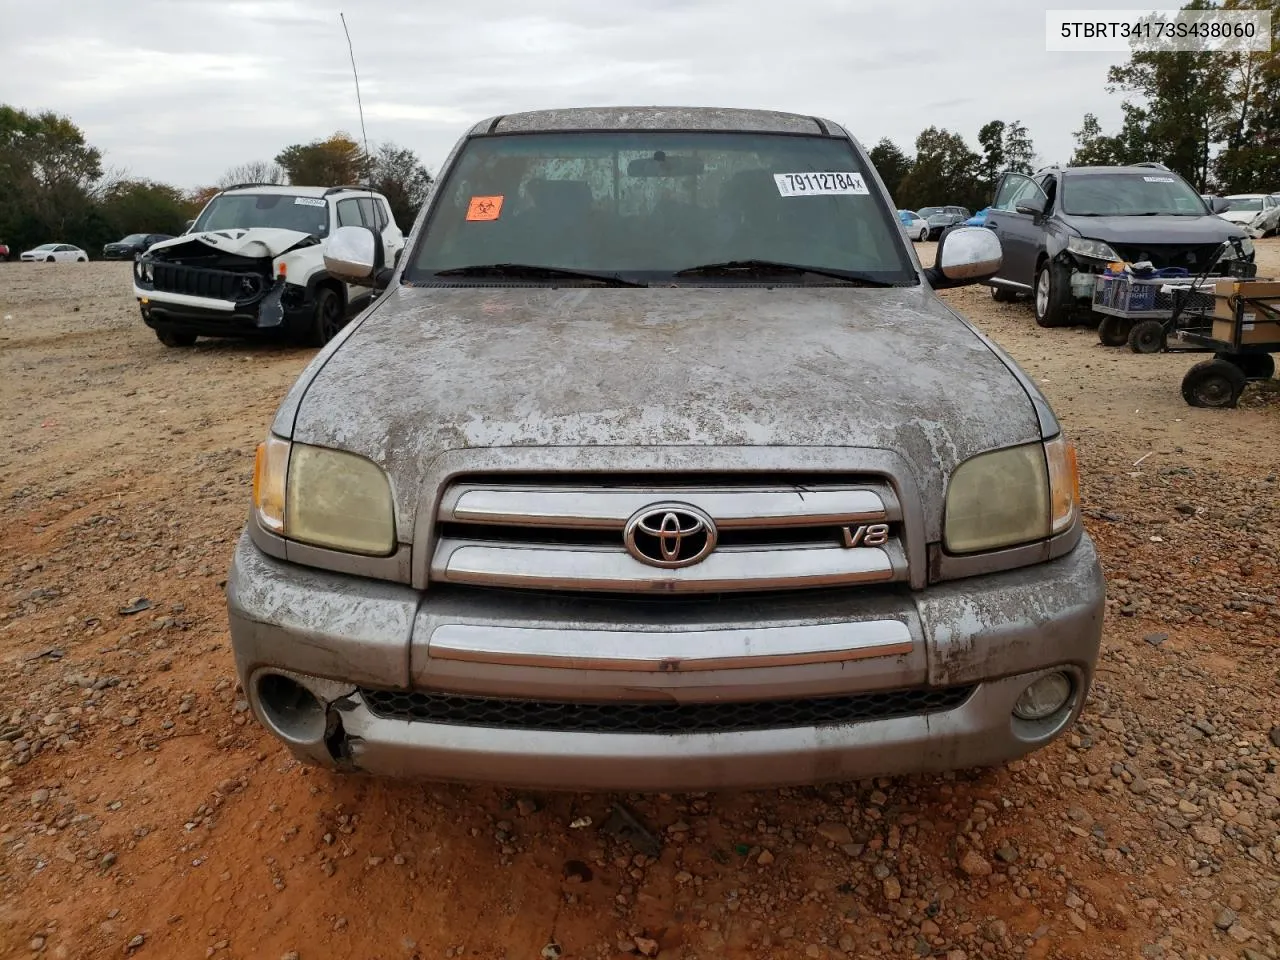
(658, 464)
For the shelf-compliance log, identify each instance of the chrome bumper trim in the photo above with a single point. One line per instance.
(667, 652)
(552, 567)
(610, 508)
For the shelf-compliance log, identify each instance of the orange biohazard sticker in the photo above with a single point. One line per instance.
(484, 208)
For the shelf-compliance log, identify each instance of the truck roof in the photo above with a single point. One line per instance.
(721, 119)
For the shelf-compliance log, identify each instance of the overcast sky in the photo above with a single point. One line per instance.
(179, 90)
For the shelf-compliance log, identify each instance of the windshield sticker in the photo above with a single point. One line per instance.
(1159, 179)
(308, 202)
(484, 208)
(819, 184)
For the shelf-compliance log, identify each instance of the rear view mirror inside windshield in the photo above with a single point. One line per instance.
(663, 164)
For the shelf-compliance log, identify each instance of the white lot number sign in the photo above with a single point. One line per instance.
(819, 184)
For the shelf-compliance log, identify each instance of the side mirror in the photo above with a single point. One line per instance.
(354, 255)
(965, 255)
(1033, 206)
(1218, 205)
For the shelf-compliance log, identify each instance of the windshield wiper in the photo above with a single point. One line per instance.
(732, 267)
(531, 271)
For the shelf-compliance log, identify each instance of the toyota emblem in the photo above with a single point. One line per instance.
(670, 535)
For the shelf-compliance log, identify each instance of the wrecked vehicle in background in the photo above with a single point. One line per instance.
(251, 264)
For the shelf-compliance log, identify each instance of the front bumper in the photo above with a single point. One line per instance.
(208, 317)
(335, 634)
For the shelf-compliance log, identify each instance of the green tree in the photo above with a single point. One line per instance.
(1250, 158)
(1019, 151)
(398, 174)
(47, 175)
(945, 171)
(337, 161)
(141, 206)
(991, 139)
(891, 163)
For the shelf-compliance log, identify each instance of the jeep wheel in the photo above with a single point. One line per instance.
(1002, 295)
(175, 338)
(1147, 336)
(1114, 331)
(329, 316)
(1052, 306)
(1213, 383)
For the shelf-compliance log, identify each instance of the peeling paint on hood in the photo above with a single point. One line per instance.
(256, 243)
(442, 369)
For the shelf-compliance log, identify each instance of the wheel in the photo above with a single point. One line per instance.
(175, 338)
(82, 259)
(50, 260)
(1147, 336)
(924, 234)
(1052, 306)
(1213, 383)
(329, 317)
(1255, 366)
(1002, 294)
(1114, 331)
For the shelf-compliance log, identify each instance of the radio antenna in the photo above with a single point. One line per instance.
(359, 104)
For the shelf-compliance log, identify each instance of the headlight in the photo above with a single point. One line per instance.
(1246, 245)
(1096, 249)
(1011, 496)
(323, 497)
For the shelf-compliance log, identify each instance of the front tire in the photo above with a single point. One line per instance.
(1147, 336)
(50, 260)
(1052, 305)
(924, 235)
(1114, 331)
(329, 317)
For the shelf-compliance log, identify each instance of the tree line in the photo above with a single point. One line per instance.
(1212, 117)
(55, 186)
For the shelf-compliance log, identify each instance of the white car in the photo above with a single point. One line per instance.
(1258, 213)
(913, 225)
(55, 253)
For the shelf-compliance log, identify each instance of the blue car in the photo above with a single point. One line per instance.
(979, 219)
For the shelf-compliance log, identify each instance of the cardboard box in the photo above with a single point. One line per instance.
(1260, 322)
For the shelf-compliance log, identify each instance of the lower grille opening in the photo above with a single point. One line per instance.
(659, 717)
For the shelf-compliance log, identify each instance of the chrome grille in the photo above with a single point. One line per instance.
(570, 536)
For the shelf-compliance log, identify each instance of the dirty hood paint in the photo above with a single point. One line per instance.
(440, 369)
(256, 243)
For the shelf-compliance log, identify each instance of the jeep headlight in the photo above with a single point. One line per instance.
(1094, 249)
(1011, 496)
(1246, 248)
(326, 498)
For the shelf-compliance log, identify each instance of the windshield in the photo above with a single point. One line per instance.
(927, 212)
(650, 204)
(1129, 195)
(282, 211)
(46, 246)
(134, 238)
(1244, 203)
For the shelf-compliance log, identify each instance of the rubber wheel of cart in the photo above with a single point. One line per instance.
(1002, 295)
(1114, 331)
(328, 317)
(1147, 336)
(1051, 304)
(175, 338)
(1213, 383)
(1255, 366)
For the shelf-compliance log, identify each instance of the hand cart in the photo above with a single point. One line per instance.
(1243, 332)
(1144, 311)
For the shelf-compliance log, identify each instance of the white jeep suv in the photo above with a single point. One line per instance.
(252, 263)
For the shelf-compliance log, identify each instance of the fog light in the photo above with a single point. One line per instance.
(1043, 697)
(290, 709)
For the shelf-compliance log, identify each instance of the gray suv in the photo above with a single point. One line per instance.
(657, 464)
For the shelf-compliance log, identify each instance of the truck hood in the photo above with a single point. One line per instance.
(1128, 231)
(255, 243)
(433, 370)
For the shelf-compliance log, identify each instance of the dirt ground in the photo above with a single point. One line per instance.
(144, 813)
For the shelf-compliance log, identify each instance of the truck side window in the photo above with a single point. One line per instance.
(349, 214)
